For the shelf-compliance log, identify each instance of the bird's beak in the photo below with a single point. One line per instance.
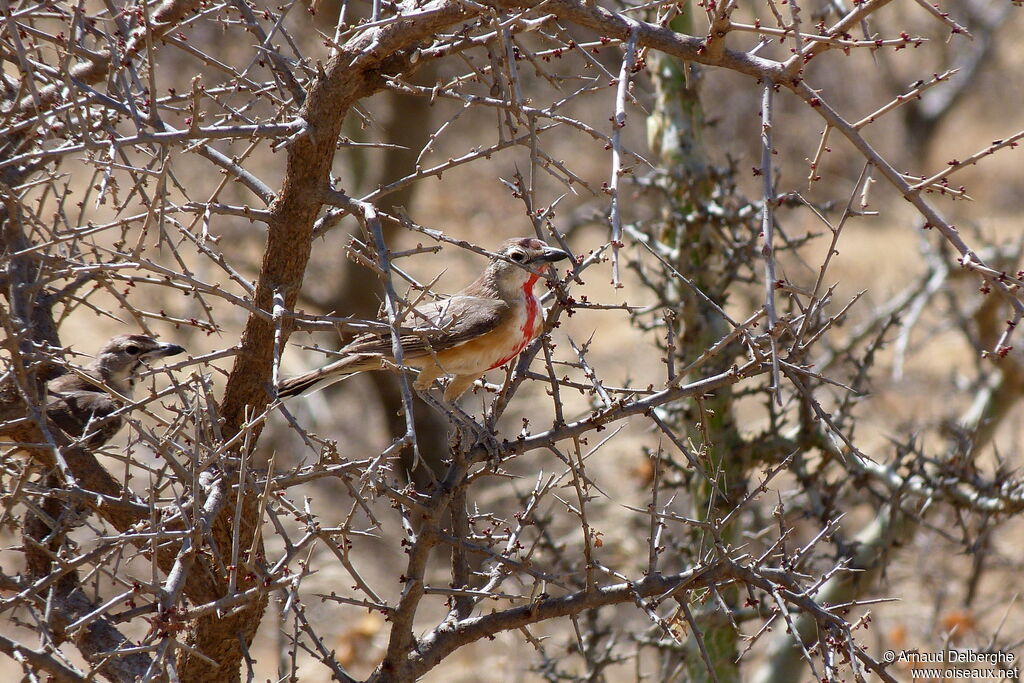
(165, 350)
(550, 255)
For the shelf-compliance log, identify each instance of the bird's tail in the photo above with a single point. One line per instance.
(293, 386)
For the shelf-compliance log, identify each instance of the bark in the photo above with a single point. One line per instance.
(354, 73)
(43, 535)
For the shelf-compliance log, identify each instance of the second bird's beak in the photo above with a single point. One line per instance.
(550, 255)
(165, 350)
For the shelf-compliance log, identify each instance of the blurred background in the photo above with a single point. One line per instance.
(954, 577)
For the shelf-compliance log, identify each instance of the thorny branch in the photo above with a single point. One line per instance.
(171, 168)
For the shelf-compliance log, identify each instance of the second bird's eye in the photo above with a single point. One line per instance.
(517, 256)
(132, 350)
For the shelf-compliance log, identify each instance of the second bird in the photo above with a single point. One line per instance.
(482, 327)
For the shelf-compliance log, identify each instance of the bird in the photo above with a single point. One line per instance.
(480, 328)
(82, 405)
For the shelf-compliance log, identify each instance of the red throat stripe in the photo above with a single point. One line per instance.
(532, 309)
(529, 326)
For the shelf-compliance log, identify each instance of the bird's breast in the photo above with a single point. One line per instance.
(525, 327)
(520, 326)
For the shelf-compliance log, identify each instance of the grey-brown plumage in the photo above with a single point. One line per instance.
(81, 404)
(480, 328)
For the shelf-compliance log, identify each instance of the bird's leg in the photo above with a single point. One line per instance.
(426, 378)
(457, 386)
(456, 415)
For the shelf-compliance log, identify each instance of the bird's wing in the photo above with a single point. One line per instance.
(87, 381)
(438, 326)
(83, 413)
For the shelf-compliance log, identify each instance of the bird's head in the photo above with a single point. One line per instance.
(519, 261)
(121, 358)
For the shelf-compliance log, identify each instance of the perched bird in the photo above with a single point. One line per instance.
(481, 328)
(80, 404)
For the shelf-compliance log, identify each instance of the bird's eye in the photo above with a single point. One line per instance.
(132, 350)
(517, 256)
